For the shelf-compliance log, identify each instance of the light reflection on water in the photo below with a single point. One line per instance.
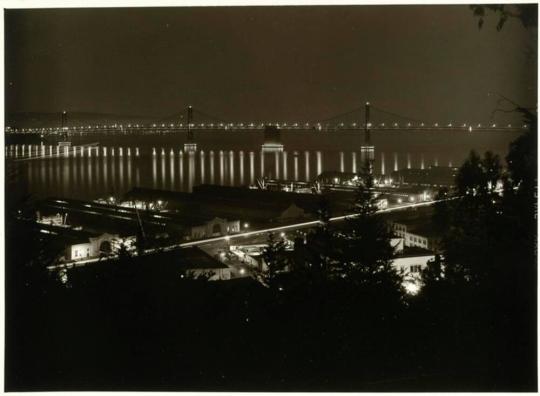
(251, 167)
(241, 161)
(202, 162)
(211, 166)
(96, 172)
(93, 172)
(191, 170)
(285, 173)
(88, 173)
(295, 154)
(231, 166)
(306, 155)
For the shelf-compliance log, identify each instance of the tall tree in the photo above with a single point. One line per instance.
(366, 250)
(479, 175)
(320, 243)
(486, 277)
(274, 258)
(471, 221)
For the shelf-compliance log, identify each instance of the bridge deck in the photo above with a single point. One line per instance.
(166, 129)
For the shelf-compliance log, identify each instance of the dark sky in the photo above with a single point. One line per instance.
(266, 63)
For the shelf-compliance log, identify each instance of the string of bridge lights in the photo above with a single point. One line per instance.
(239, 126)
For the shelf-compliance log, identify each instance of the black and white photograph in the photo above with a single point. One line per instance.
(270, 197)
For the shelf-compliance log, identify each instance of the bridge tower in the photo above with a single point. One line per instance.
(367, 150)
(64, 132)
(272, 139)
(190, 145)
(64, 119)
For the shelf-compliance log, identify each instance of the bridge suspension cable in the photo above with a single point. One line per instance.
(174, 116)
(182, 114)
(360, 110)
(341, 115)
(206, 115)
(395, 114)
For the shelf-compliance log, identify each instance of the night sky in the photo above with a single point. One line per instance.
(267, 63)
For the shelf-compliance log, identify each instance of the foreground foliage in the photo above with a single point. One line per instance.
(338, 320)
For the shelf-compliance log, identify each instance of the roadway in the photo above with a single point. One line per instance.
(223, 241)
(165, 129)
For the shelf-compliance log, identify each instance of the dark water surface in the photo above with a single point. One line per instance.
(229, 158)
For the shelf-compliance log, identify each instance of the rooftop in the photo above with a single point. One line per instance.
(413, 251)
(187, 258)
(68, 234)
(232, 203)
(422, 226)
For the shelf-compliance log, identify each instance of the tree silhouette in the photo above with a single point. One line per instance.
(486, 276)
(479, 175)
(365, 245)
(471, 221)
(527, 14)
(320, 249)
(274, 257)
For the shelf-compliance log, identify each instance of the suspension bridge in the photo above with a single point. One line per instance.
(191, 119)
